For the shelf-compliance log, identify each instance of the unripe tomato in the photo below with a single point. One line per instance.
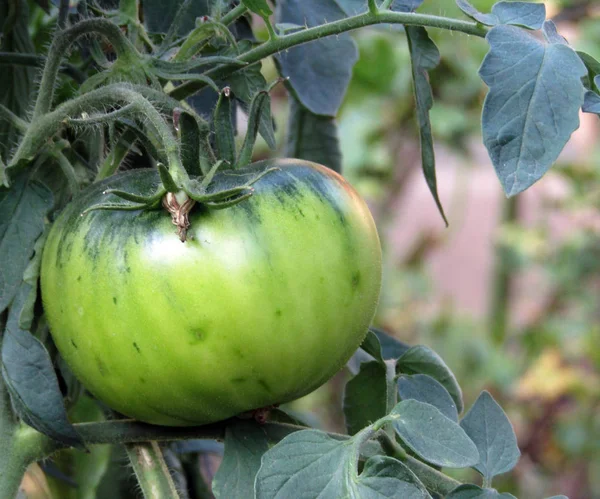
(263, 303)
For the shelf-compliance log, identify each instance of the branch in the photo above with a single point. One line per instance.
(273, 46)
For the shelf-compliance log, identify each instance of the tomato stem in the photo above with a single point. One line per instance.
(151, 471)
(282, 43)
(60, 45)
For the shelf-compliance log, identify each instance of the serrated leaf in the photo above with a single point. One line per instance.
(428, 390)
(432, 436)
(31, 380)
(469, 491)
(245, 444)
(319, 72)
(365, 397)
(487, 425)
(23, 209)
(532, 106)
(313, 138)
(260, 7)
(525, 14)
(422, 360)
(325, 467)
(424, 57)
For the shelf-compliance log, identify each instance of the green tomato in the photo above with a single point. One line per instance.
(264, 302)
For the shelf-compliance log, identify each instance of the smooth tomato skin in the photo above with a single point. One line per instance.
(263, 303)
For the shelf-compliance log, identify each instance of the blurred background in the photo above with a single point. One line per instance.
(508, 294)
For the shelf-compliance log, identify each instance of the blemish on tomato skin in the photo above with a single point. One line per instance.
(356, 277)
(115, 300)
(74, 344)
(238, 380)
(198, 336)
(101, 366)
(264, 385)
(278, 313)
(143, 380)
(135, 345)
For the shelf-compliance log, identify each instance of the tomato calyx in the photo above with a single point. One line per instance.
(179, 197)
(179, 210)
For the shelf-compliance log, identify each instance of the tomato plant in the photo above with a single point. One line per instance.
(187, 290)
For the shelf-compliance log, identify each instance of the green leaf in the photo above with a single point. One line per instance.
(424, 57)
(487, 425)
(591, 101)
(23, 209)
(259, 112)
(428, 390)
(372, 346)
(432, 436)
(260, 7)
(224, 132)
(422, 360)
(532, 107)
(245, 444)
(391, 347)
(313, 138)
(593, 67)
(30, 276)
(469, 491)
(326, 467)
(31, 380)
(524, 14)
(194, 137)
(384, 476)
(319, 72)
(365, 397)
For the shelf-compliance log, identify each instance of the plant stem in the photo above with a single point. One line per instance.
(434, 480)
(285, 42)
(151, 471)
(111, 95)
(234, 14)
(502, 280)
(19, 123)
(63, 13)
(61, 44)
(11, 467)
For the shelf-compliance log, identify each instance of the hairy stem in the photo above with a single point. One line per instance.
(60, 45)
(434, 480)
(151, 471)
(111, 95)
(282, 43)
